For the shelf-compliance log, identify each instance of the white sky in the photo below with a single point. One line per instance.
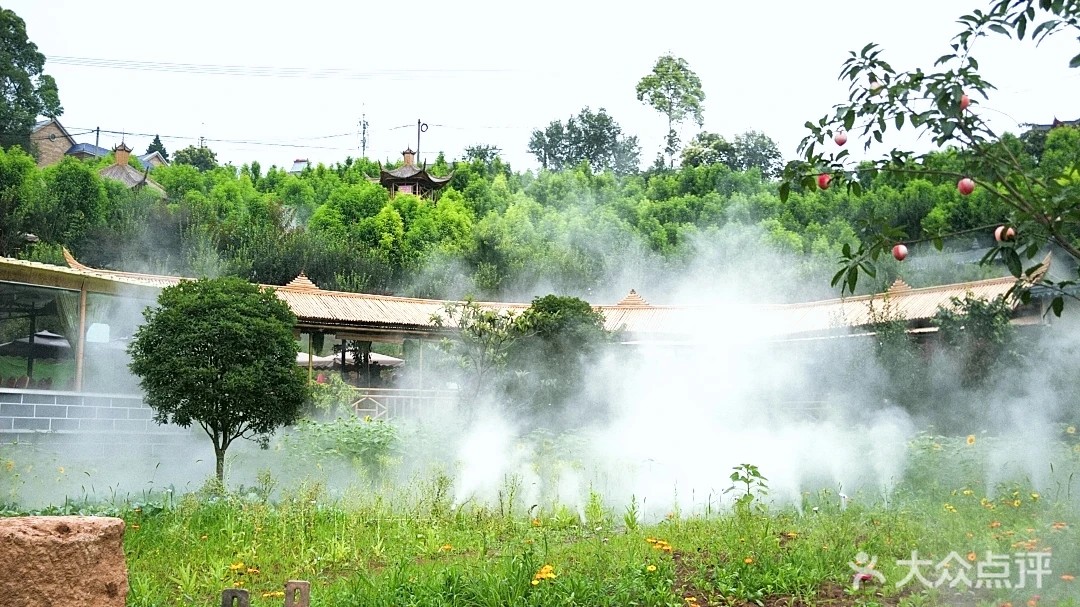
(490, 72)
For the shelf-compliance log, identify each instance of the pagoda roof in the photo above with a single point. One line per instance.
(411, 172)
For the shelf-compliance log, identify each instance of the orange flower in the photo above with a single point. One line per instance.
(995, 524)
(1067, 578)
(972, 556)
(971, 439)
(748, 560)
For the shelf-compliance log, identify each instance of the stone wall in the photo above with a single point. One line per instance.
(107, 424)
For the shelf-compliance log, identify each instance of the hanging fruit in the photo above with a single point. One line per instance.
(840, 138)
(899, 252)
(966, 186)
(823, 181)
(1004, 233)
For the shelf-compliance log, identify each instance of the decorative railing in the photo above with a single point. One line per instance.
(385, 403)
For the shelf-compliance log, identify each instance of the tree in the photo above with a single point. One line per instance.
(708, 148)
(942, 106)
(482, 342)
(481, 153)
(202, 158)
(220, 353)
(157, 146)
(674, 90)
(591, 137)
(754, 149)
(28, 92)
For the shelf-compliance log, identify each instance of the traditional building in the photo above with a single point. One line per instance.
(411, 179)
(51, 140)
(121, 171)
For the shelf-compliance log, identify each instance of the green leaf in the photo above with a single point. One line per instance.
(1012, 261)
(1075, 61)
(849, 119)
(785, 191)
(939, 243)
(994, 27)
(838, 277)
(1057, 305)
(899, 121)
(852, 278)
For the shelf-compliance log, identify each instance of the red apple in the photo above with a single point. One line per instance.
(965, 101)
(840, 138)
(966, 186)
(1003, 233)
(823, 181)
(899, 252)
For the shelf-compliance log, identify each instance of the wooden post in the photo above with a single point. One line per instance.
(309, 365)
(33, 331)
(80, 345)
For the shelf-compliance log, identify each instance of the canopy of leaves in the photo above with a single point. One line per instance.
(674, 90)
(593, 138)
(220, 353)
(202, 158)
(27, 91)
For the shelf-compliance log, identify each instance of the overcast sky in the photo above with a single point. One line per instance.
(304, 73)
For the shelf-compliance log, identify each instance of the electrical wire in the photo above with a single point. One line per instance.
(268, 71)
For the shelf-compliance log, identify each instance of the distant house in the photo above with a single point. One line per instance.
(299, 165)
(52, 141)
(130, 176)
(410, 179)
(1053, 125)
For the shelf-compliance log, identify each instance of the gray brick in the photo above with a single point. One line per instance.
(96, 425)
(81, 412)
(97, 401)
(130, 425)
(6, 423)
(44, 399)
(64, 425)
(68, 399)
(50, 411)
(110, 413)
(141, 413)
(10, 397)
(17, 410)
(30, 423)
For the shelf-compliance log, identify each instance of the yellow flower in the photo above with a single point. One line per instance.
(967, 492)
(1035, 496)
(995, 524)
(651, 568)
(748, 560)
(253, 570)
(536, 522)
(535, 581)
(238, 583)
(9, 465)
(60, 469)
(971, 556)
(1059, 526)
(971, 439)
(273, 594)
(1070, 430)
(950, 508)
(445, 548)
(651, 540)
(135, 526)
(236, 566)
(1067, 578)
(1015, 503)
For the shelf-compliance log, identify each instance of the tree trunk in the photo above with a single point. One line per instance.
(219, 454)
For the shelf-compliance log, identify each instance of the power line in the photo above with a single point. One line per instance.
(227, 141)
(268, 71)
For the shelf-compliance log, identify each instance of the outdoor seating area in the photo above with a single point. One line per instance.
(24, 382)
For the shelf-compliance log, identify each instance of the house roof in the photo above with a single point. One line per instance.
(87, 148)
(40, 124)
(299, 165)
(145, 158)
(130, 176)
(316, 308)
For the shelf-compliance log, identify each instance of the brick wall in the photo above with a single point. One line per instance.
(105, 423)
(51, 145)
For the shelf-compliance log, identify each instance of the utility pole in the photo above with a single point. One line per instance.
(421, 127)
(363, 135)
(97, 137)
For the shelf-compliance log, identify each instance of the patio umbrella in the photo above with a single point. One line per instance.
(46, 345)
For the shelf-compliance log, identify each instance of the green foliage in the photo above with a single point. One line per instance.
(157, 146)
(980, 336)
(1022, 181)
(220, 353)
(754, 487)
(591, 138)
(366, 443)
(482, 342)
(674, 90)
(28, 92)
(202, 158)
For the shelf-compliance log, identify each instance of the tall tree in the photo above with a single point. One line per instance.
(202, 158)
(27, 91)
(708, 148)
(157, 146)
(220, 353)
(674, 90)
(591, 137)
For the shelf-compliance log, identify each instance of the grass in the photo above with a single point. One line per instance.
(413, 546)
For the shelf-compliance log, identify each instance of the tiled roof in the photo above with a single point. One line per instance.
(316, 307)
(87, 148)
(129, 176)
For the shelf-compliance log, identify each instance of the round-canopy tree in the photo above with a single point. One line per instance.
(220, 352)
